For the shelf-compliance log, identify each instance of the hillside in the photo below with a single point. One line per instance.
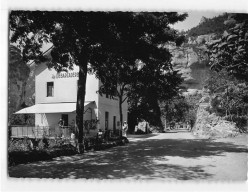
(191, 59)
(208, 26)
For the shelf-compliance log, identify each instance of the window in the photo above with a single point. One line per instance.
(50, 89)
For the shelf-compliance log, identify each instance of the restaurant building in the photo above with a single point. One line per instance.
(56, 96)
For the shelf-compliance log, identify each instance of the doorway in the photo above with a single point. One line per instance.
(106, 120)
(65, 119)
(114, 123)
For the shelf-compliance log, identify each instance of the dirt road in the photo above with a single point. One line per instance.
(167, 157)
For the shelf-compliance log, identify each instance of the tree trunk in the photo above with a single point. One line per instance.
(157, 116)
(120, 110)
(247, 121)
(80, 104)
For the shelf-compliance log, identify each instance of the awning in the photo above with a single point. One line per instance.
(51, 108)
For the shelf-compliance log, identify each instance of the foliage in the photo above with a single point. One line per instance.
(229, 97)
(24, 156)
(230, 51)
(152, 87)
(20, 150)
(241, 121)
(214, 25)
(115, 76)
(90, 124)
(121, 73)
(19, 145)
(78, 38)
(228, 57)
(175, 109)
(22, 119)
(193, 103)
(181, 108)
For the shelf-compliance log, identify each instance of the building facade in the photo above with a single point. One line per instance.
(56, 97)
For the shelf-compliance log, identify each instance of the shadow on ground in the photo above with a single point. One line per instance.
(141, 135)
(137, 160)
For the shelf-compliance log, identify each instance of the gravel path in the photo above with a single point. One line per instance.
(167, 157)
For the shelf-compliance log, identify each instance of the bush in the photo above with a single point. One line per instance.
(31, 150)
(89, 143)
(155, 129)
(25, 156)
(19, 145)
(241, 121)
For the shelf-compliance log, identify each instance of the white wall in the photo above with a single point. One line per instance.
(65, 90)
(92, 86)
(111, 106)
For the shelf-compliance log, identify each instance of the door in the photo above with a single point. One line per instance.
(65, 119)
(106, 120)
(114, 123)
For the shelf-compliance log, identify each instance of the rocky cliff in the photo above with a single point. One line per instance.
(18, 74)
(191, 61)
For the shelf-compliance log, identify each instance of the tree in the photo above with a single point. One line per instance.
(115, 76)
(174, 110)
(154, 85)
(134, 80)
(214, 25)
(229, 97)
(78, 36)
(120, 71)
(193, 104)
(228, 57)
(230, 51)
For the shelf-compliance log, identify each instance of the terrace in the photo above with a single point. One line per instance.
(53, 132)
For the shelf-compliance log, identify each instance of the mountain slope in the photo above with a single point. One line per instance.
(207, 26)
(191, 59)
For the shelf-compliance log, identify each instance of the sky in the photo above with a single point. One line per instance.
(193, 19)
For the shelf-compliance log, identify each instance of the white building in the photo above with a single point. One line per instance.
(56, 96)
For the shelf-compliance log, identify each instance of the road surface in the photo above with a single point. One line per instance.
(166, 156)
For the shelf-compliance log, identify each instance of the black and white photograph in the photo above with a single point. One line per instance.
(111, 94)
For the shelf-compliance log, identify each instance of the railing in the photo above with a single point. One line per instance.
(55, 132)
(40, 131)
